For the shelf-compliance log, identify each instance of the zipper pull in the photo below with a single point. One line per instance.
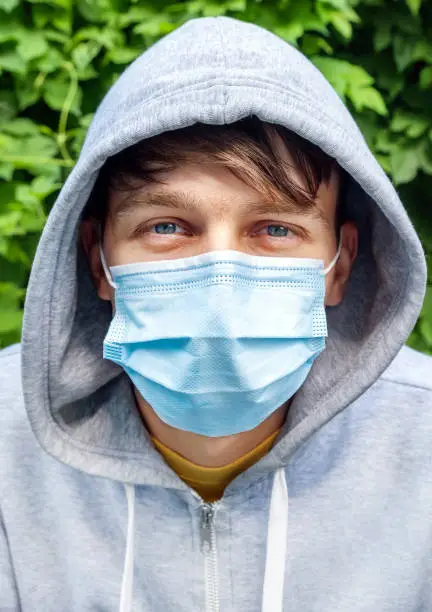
(207, 514)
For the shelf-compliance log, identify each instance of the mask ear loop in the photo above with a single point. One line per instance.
(335, 258)
(104, 264)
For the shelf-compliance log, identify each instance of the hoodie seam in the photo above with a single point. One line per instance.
(47, 352)
(10, 559)
(238, 81)
(405, 384)
(225, 67)
(258, 84)
(253, 483)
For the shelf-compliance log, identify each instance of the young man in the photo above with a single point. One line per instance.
(184, 435)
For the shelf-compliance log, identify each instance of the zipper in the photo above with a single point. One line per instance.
(208, 546)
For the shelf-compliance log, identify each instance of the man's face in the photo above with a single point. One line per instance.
(201, 208)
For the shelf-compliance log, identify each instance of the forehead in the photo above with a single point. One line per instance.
(209, 189)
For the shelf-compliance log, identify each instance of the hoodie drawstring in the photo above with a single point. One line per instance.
(277, 535)
(127, 582)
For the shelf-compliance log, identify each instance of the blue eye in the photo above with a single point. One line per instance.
(277, 231)
(165, 228)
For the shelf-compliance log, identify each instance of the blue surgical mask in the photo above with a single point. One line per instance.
(215, 343)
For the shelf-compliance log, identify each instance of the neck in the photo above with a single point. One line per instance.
(205, 451)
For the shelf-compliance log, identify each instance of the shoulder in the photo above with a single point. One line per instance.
(10, 351)
(410, 369)
(400, 401)
(393, 418)
(13, 418)
(19, 450)
(10, 375)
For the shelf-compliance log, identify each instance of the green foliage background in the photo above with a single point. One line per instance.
(59, 57)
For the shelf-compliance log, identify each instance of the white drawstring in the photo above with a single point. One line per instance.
(277, 539)
(127, 582)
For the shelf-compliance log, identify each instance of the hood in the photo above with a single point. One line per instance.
(215, 71)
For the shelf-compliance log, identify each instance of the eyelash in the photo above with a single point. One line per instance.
(148, 227)
(289, 228)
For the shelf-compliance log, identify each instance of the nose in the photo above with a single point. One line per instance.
(222, 236)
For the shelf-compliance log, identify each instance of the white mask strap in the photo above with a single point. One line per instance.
(106, 269)
(335, 258)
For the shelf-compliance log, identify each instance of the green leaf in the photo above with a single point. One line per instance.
(312, 45)
(56, 15)
(55, 36)
(425, 78)
(84, 53)
(404, 165)
(43, 186)
(52, 60)
(368, 97)
(403, 51)
(31, 152)
(8, 108)
(384, 162)
(369, 127)
(342, 25)
(122, 55)
(12, 62)
(417, 342)
(10, 320)
(154, 27)
(427, 304)
(6, 171)
(21, 127)
(341, 20)
(425, 155)
(307, 16)
(414, 6)
(135, 14)
(10, 28)
(56, 90)
(8, 5)
(382, 37)
(410, 123)
(65, 4)
(425, 327)
(27, 92)
(290, 32)
(342, 5)
(86, 120)
(386, 142)
(97, 10)
(106, 37)
(353, 82)
(418, 128)
(31, 45)
(7, 193)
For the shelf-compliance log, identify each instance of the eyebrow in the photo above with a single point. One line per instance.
(167, 199)
(180, 200)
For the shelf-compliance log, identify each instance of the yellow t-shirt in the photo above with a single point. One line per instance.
(210, 482)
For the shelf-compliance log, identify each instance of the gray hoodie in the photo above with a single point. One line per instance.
(338, 516)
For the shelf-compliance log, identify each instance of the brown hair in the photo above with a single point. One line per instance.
(249, 148)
